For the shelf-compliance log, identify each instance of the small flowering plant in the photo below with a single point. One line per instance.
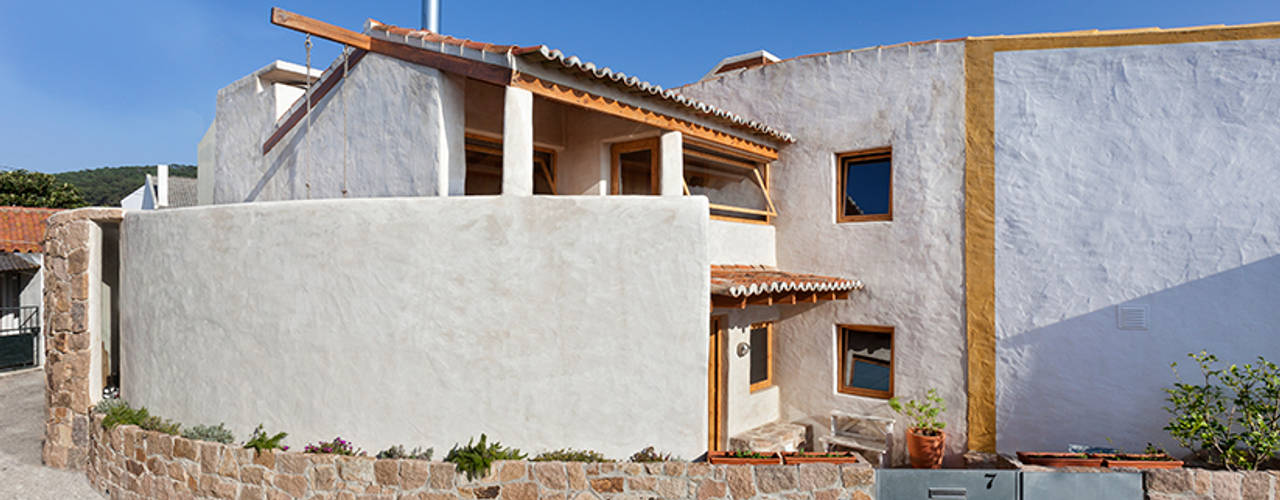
(338, 446)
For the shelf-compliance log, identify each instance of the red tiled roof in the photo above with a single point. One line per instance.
(741, 281)
(22, 228)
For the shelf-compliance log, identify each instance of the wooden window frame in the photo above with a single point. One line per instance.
(759, 173)
(866, 155)
(768, 381)
(842, 369)
(655, 164)
(550, 171)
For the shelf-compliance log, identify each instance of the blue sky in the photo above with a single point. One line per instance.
(90, 84)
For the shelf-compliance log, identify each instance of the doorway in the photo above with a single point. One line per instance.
(716, 385)
(635, 168)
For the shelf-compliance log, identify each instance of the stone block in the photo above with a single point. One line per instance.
(631, 469)
(252, 492)
(443, 476)
(256, 474)
(671, 487)
(323, 477)
(741, 483)
(858, 495)
(414, 474)
(698, 469)
(551, 475)
(293, 484)
(775, 478)
(818, 476)
(291, 463)
(832, 494)
(78, 261)
(577, 475)
(642, 483)
(520, 491)
(1226, 485)
(511, 470)
(1169, 481)
(608, 484)
(709, 489)
(227, 464)
(857, 475)
(185, 448)
(265, 458)
(1256, 485)
(585, 495)
(356, 469)
(387, 471)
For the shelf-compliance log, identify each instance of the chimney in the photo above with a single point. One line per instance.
(431, 15)
(162, 186)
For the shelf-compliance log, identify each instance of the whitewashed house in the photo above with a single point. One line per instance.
(510, 240)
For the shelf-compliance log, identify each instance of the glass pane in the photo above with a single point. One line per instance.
(867, 359)
(724, 185)
(636, 172)
(866, 187)
(759, 354)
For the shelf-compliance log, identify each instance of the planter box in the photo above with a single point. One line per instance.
(1060, 459)
(838, 457)
(727, 458)
(1143, 462)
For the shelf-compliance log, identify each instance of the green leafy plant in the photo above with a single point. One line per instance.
(107, 405)
(398, 451)
(649, 455)
(924, 413)
(215, 433)
(474, 460)
(338, 446)
(118, 412)
(260, 440)
(749, 454)
(571, 455)
(155, 423)
(1233, 417)
(35, 189)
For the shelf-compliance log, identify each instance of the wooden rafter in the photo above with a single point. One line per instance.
(770, 299)
(317, 94)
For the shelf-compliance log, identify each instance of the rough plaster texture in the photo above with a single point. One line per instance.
(740, 243)
(426, 321)
(910, 97)
(746, 410)
(419, 117)
(1130, 175)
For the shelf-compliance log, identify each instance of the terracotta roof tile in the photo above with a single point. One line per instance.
(22, 228)
(740, 281)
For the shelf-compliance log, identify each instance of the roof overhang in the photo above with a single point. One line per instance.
(742, 286)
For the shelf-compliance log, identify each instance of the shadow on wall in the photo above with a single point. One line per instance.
(1083, 380)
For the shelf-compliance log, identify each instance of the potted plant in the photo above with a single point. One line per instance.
(1151, 458)
(824, 457)
(744, 457)
(925, 438)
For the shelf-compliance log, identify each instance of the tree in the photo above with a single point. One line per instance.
(34, 189)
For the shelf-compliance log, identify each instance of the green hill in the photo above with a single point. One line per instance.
(106, 186)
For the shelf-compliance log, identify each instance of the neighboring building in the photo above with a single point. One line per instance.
(162, 191)
(21, 285)
(562, 255)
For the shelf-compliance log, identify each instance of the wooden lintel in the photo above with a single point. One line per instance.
(561, 93)
(761, 300)
(725, 301)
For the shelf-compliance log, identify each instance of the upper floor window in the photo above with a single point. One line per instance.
(635, 167)
(484, 167)
(737, 189)
(865, 182)
(866, 360)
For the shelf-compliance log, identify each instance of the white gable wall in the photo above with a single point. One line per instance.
(1141, 175)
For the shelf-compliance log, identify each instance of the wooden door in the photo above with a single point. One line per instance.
(716, 385)
(635, 168)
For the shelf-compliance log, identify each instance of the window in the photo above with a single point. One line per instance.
(635, 167)
(761, 356)
(737, 189)
(865, 185)
(484, 167)
(866, 360)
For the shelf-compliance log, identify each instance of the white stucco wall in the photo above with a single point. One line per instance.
(426, 321)
(1130, 175)
(744, 409)
(396, 115)
(910, 97)
(741, 243)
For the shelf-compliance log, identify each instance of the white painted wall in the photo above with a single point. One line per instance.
(205, 166)
(426, 321)
(746, 410)
(741, 243)
(910, 97)
(1130, 175)
(396, 114)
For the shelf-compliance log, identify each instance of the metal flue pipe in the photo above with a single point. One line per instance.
(431, 15)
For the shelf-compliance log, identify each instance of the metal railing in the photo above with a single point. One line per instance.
(21, 319)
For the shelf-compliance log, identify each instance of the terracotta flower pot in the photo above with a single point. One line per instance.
(727, 458)
(846, 457)
(1054, 459)
(1144, 461)
(925, 451)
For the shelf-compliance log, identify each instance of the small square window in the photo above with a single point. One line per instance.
(761, 356)
(865, 186)
(866, 360)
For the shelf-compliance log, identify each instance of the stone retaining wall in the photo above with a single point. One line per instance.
(67, 252)
(131, 463)
(1201, 484)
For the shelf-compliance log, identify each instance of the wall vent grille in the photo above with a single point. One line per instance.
(1132, 317)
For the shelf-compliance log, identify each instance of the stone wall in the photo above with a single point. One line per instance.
(1201, 484)
(128, 462)
(67, 282)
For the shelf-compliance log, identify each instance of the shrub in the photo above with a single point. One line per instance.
(154, 423)
(648, 455)
(215, 433)
(1233, 417)
(262, 441)
(923, 412)
(108, 404)
(338, 446)
(397, 451)
(571, 455)
(475, 459)
(120, 413)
